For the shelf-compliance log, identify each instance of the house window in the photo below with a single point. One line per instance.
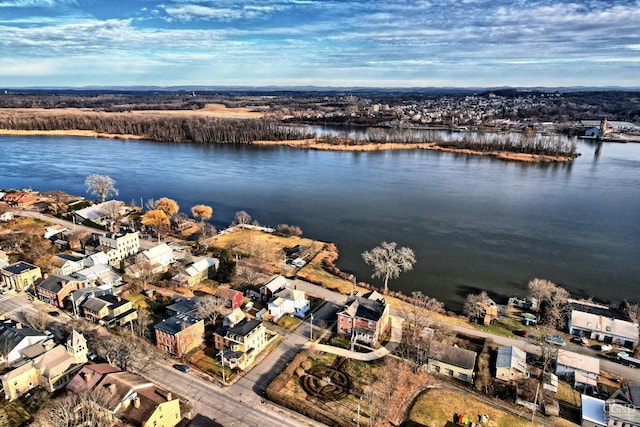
(449, 372)
(608, 328)
(437, 368)
(598, 326)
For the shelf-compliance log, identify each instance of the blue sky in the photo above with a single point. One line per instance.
(399, 43)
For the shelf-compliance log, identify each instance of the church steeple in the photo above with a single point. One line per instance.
(77, 346)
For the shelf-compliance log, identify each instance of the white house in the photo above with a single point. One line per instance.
(161, 254)
(101, 214)
(96, 258)
(511, 364)
(275, 284)
(14, 338)
(600, 323)
(98, 275)
(583, 369)
(119, 245)
(289, 301)
(65, 264)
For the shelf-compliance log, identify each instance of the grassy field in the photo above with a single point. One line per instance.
(436, 407)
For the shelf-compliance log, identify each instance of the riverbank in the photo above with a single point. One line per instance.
(169, 125)
(313, 144)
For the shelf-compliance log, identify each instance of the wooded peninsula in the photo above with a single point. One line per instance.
(385, 121)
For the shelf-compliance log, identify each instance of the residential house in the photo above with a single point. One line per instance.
(182, 305)
(179, 334)
(102, 214)
(197, 271)
(54, 231)
(134, 400)
(50, 369)
(77, 298)
(232, 298)
(598, 322)
(236, 316)
(241, 343)
(511, 364)
(99, 275)
(54, 289)
(20, 275)
(96, 258)
(451, 361)
(622, 408)
(580, 368)
(21, 198)
(119, 246)
(14, 337)
(364, 318)
(109, 310)
(592, 412)
(65, 264)
(289, 301)
(275, 284)
(488, 311)
(159, 257)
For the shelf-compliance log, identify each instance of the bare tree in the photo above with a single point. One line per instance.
(388, 261)
(552, 301)
(133, 355)
(101, 185)
(208, 307)
(289, 230)
(241, 217)
(141, 324)
(473, 305)
(87, 408)
(417, 333)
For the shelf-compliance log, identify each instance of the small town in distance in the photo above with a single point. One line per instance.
(115, 314)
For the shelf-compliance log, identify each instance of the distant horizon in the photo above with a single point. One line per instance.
(319, 88)
(325, 43)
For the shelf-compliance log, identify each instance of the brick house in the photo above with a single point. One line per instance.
(364, 318)
(54, 289)
(179, 334)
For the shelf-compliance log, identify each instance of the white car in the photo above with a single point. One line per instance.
(606, 347)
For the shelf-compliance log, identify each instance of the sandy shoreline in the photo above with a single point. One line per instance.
(503, 155)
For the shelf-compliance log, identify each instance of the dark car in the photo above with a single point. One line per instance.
(54, 313)
(181, 368)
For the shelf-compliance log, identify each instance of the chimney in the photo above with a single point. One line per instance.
(136, 402)
(87, 376)
(18, 325)
(112, 388)
(168, 396)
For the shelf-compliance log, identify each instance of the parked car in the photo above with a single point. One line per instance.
(54, 313)
(555, 340)
(181, 368)
(606, 347)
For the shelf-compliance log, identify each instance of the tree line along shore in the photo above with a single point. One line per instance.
(191, 127)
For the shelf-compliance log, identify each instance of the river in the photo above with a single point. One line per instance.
(474, 222)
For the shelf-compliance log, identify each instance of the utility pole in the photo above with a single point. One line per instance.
(311, 329)
(535, 402)
(221, 354)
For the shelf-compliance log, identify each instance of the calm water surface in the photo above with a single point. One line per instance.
(474, 223)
